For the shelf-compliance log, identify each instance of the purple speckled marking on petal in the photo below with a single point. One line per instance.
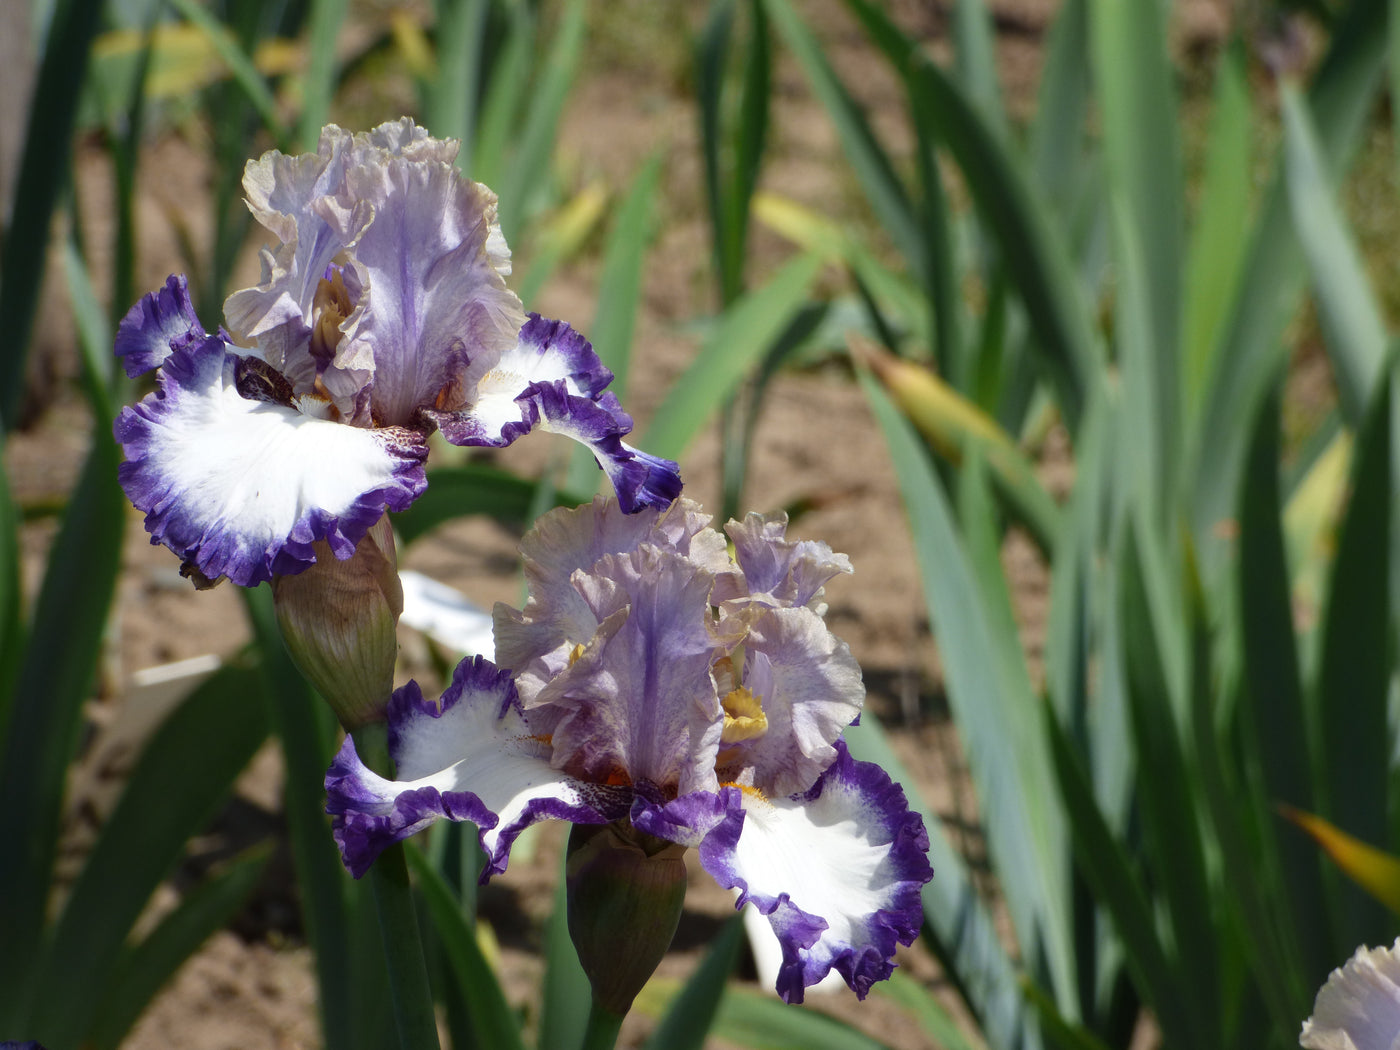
(160, 323)
(244, 488)
(835, 901)
(693, 819)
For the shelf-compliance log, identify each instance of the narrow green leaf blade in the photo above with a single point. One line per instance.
(1251, 348)
(43, 172)
(1350, 315)
(1354, 668)
(996, 713)
(529, 167)
(692, 1012)
(305, 728)
(318, 86)
(1107, 869)
(492, 1019)
(735, 346)
(869, 159)
(1032, 251)
(567, 996)
(455, 492)
(245, 73)
(1135, 90)
(1221, 232)
(1277, 722)
(185, 771)
(1166, 800)
(145, 968)
(65, 642)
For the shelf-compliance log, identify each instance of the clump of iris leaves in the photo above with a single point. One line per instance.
(1223, 600)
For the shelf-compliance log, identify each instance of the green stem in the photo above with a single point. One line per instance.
(603, 1026)
(398, 924)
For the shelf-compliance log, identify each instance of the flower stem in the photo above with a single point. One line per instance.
(398, 923)
(603, 1026)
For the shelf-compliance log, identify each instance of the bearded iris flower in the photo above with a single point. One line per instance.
(679, 696)
(381, 315)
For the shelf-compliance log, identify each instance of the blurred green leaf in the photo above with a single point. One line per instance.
(1276, 719)
(1057, 132)
(1136, 92)
(867, 157)
(996, 713)
(1350, 316)
(1353, 679)
(733, 347)
(929, 1014)
(756, 1020)
(1030, 248)
(527, 172)
(54, 678)
(1166, 796)
(955, 427)
(455, 492)
(619, 286)
(42, 175)
(305, 729)
(319, 83)
(1107, 868)
(567, 996)
(452, 102)
(975, 60)
(1251, 349)
(240, 64)
(144, 968)
(94, 337)
(1221, 231)
(12, 626)
(185, 771)
(492, 1019)
(498, 119)
(692, 1011)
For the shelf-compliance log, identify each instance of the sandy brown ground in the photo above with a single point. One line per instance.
(816, 443)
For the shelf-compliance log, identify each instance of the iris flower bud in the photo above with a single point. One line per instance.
(338, 620)
(625, 892)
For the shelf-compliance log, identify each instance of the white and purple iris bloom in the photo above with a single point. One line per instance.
(383, 314)
(653, 679)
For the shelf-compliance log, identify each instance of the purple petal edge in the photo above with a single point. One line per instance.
(160, 323)
(806, 960)
(226, 552)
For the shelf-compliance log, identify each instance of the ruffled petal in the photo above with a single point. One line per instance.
(639, 701)
(810, 689)
(474, 758)
(639, 479)
(838, 872)
(691, 819)
(244, 486)
(572, 538)
(777, 570)
(1359, 1006)
(158, 325)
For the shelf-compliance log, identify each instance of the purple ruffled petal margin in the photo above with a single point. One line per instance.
(161, 323)
(823, 927)
(553, 379)
(245, 488)
(470, 756)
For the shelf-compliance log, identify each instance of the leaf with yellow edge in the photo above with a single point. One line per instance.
(954, 425)
(1374, 870)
